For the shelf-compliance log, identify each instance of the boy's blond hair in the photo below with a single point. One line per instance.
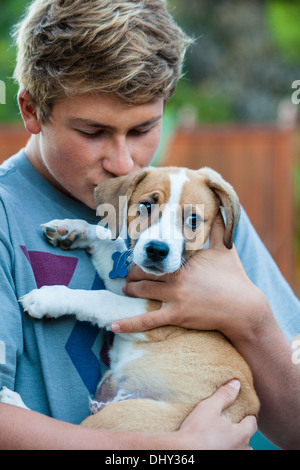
(132, 49)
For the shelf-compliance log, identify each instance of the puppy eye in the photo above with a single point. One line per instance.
(145, 208)
(193, 221)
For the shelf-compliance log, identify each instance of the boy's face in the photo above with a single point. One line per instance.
(93, 138)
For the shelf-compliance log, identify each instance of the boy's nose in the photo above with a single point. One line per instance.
(118, 160)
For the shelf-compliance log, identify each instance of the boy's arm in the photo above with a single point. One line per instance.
(204, 428)
(11, 327)
(276, 379)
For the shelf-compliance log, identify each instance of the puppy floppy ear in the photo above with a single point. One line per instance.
(228, 200)
(112, 198)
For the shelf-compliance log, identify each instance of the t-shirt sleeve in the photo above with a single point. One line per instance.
(264, 273)
(11, 337)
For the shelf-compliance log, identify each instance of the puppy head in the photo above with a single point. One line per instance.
(168, 213)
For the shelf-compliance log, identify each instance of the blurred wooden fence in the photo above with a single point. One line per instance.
(12, 139)
(259, 163)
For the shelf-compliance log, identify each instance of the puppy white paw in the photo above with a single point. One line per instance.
(11, 398)
(46, 301)
(68, 233)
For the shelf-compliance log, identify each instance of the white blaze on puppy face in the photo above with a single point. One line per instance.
(166, 229)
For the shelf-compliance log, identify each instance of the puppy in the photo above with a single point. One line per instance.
(156, 378)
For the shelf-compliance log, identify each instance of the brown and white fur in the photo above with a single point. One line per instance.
(156, 378)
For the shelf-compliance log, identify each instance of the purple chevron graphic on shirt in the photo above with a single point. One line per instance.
(50, 269)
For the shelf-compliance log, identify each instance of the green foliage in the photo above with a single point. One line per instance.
(207, 103)
(242, 64)
(9, 111)
(241, 51)
(10, 14)
(284, 23)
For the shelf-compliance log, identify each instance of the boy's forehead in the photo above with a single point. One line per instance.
(102, 110)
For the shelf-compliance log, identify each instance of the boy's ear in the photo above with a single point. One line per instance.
(115, 194)
(28, 111)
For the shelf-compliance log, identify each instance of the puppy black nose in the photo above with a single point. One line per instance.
(157, 251)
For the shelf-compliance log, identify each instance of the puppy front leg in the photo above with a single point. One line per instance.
(98, 307)
(71, 234)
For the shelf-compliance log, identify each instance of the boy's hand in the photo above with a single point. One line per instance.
(205, 428)
(211, 292)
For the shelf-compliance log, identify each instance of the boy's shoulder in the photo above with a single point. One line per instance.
(16, 181)
(9, 166)
(12, 169)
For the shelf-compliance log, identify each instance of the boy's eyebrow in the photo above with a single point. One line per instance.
(91, 123)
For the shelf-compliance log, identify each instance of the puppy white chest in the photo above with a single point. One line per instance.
(123, 351)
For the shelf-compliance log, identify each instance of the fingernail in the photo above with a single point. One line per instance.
(124, 289)
(115, 327)
(234, 383)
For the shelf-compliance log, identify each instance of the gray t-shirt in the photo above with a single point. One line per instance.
(53, 364)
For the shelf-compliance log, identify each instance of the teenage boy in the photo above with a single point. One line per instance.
(94, 77)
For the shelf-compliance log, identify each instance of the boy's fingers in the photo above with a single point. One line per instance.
(216, 237)
(137, 274)
(144, 322)
(146, 290)
(248, 427)
(226, 395)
